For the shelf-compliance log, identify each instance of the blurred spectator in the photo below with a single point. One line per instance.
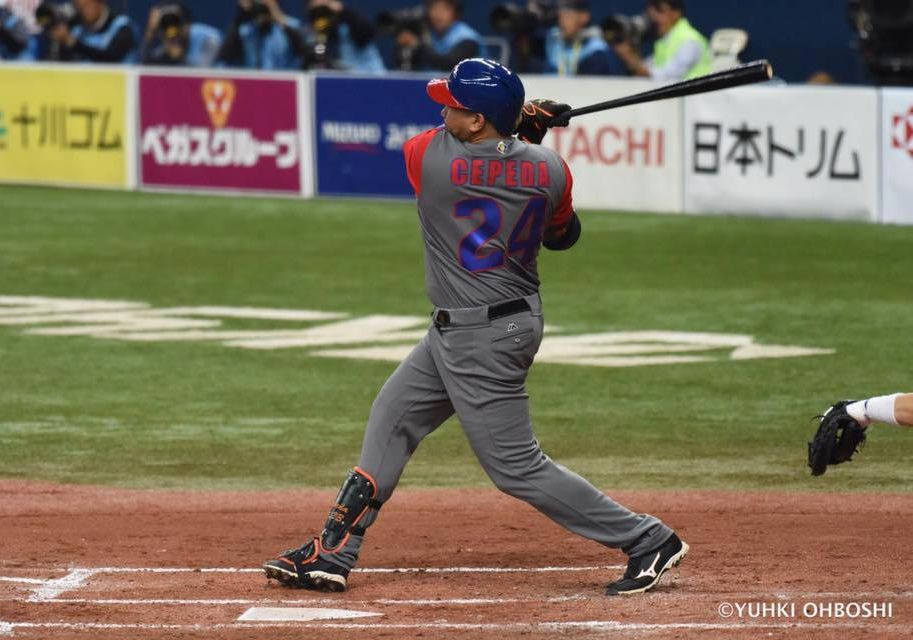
(574, 48)
(172, 38)
(679, 53)
(47, 16)
(263, 37)
(526, 26)
(448, 41)
(338, 37)
(14, 35)
(99, 35)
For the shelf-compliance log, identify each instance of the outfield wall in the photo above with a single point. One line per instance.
(826, 152)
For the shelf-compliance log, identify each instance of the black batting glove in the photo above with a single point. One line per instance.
(536, 118)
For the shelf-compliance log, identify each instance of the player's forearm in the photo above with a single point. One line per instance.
(896, 408)
(563, 237)
(903, 409)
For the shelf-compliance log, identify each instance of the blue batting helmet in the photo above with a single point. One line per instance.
(483, 86)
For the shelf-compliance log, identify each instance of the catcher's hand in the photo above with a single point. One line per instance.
(838, 438)
(535, 119)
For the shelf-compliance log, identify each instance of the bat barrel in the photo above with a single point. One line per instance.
(750, 73)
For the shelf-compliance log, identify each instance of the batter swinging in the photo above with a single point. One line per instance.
(486, 201)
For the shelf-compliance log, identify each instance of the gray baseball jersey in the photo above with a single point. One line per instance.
(483, 209)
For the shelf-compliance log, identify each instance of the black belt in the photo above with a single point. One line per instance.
(442, 319)
(508, 308)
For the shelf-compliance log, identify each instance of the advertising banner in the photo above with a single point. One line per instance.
(220, 132)
(622, 159)
(63, 126)
(360, 127)
(784, 151)
(897, 156)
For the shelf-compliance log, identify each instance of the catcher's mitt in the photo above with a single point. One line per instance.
(838, 438)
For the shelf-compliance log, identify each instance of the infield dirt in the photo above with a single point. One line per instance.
(485, 551)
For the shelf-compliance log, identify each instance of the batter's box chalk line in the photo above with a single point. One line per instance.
(50, 589)
(22, 580)
(363, 569)
(416, 602)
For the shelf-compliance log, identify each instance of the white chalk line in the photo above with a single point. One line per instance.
(752, 596)
(53, 588)
(22, 580)
(317, 601)
(364, 569)
(585, 625)
(715, 598)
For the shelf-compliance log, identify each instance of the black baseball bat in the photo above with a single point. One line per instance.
(749, 73)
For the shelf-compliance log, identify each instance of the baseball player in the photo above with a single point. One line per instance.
(842, 428)
(486, 202)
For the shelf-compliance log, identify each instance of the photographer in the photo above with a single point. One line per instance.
(47, 16)
(680, 53)
(339, 38)
(574, 49)
(14, 36)
(100, 35)
(448, 41)
(172, 38)
(263, 37)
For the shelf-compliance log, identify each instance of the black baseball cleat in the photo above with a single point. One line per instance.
(304, 568)
(643, 572)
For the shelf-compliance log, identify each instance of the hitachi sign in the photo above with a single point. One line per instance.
(610, 145)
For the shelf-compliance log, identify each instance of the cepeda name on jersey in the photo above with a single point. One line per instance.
(499, 172)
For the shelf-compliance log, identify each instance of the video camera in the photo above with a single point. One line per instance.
(621, 28)
(393, 22)
(172, 20)
(883, 28)
(50, 14)
(519, 19)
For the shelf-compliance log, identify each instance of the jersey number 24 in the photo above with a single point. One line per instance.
(524, 239)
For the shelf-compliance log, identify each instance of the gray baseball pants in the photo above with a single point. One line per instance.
(477, 368)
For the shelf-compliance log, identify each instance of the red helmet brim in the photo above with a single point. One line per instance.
(439, 91)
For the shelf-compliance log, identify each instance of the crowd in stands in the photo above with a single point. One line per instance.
(553, 36)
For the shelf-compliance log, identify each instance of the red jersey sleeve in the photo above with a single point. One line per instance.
(566, 207)
(414, 151)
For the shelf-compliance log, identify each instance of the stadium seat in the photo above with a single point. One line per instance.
(726, 45)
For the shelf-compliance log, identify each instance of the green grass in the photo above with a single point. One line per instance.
(182, 414)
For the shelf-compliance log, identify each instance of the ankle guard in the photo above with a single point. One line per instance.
(356, 496)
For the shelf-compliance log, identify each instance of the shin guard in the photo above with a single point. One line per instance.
(357, 495)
